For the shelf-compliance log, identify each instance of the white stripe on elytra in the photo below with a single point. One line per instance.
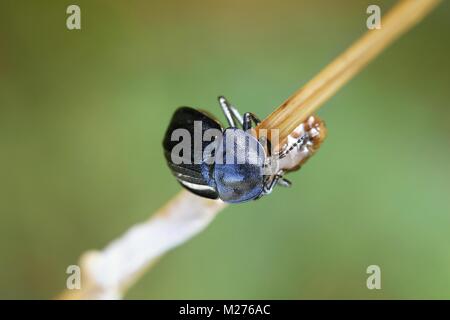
(198, 187)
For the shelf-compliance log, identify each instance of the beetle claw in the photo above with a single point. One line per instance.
(284, 183)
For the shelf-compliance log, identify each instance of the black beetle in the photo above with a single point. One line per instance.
(234, 171)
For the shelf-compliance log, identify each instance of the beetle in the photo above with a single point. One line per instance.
(235, 168)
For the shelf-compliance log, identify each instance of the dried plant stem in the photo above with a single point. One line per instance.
(107, 274)
(309, 98)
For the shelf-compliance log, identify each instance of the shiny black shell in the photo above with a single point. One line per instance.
(190, 175)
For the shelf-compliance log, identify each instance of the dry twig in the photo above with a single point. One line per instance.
(326, 83)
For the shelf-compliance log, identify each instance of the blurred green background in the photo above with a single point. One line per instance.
(83, 113)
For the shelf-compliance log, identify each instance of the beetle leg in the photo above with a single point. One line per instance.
(274, 180)
(231, 113)
(271, 184)
(284, 182)
(247, 121)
